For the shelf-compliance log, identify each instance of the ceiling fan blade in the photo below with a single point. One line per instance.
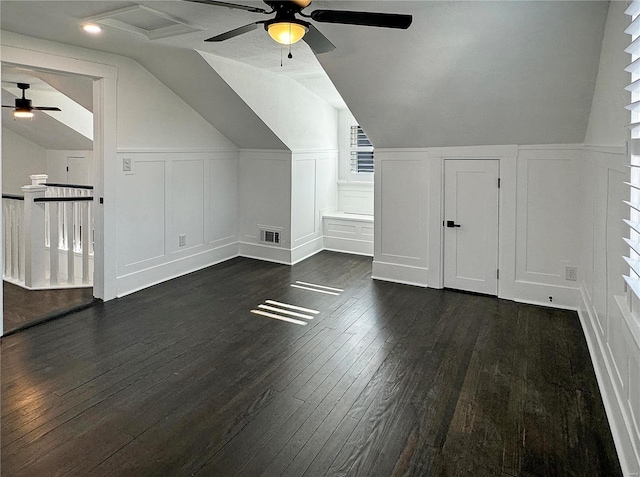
(233, 33)
(317, 41)
(230, 5)
(5, 106)
(385, 20)
(47, 108)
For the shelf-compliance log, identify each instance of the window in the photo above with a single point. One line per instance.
(633, 260)
(361, 151)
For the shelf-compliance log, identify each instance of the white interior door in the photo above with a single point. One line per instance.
(77, 170)
(471, 225)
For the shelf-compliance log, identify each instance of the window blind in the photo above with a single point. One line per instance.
(361, 151)
(633, 222)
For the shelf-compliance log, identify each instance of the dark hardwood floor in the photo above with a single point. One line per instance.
(23, 308)
(182, 379)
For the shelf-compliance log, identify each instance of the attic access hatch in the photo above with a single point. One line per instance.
(144, 21)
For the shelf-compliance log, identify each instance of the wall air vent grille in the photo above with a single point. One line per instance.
(270, 236)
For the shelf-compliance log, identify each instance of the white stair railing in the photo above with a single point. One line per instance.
(48, 235)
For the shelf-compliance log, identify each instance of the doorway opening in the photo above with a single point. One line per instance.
(47, 185)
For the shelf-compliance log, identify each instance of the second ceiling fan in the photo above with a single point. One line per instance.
(286, 28)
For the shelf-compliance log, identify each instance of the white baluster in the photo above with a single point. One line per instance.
(6, 243)
(71, 269)
(19, 205)
(54, 251)
(15, 242)
(84, 241)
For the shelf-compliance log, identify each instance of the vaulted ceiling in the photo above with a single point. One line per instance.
(465, 73)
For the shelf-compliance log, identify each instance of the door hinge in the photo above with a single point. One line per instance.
(67, 168)
(498, 274)
(498, 182)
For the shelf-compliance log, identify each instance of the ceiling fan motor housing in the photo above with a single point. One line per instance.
(23, 104)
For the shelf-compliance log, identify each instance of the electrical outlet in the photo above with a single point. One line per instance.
(182, 240)
(571, 274)
(126, 164)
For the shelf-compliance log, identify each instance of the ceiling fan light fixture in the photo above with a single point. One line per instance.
(22, 114)
(286, 33)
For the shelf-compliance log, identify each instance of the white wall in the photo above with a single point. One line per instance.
(265, 202)
(612, 331)
(20, 159)
(313, 192)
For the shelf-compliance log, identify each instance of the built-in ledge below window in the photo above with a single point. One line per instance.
(632, 321)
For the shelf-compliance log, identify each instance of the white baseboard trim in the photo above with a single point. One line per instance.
(133, 282)
(618, 418)
(393, 272)
(306, 250)
(547, 305)
(346, 245)
(538, 294)
(265, 252)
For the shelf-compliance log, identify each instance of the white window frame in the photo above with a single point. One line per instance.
(355, 130)
(633, 241)
(347, 120)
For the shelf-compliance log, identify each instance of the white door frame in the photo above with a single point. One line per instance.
(507, 156)
(104, 151)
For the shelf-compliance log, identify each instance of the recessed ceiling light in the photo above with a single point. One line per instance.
(92, 28)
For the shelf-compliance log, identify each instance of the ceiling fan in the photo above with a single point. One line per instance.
(286, 28)
(23, 107)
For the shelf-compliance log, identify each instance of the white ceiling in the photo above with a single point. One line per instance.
(59, 21)
(465, 73)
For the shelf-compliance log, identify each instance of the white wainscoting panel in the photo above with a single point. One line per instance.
(167, 194)
(313, 191)
(401, 184)
(141, 213)
(265, 201)
(611, 329)
(401, 245)
(188, 203)
(548, 228)
(303, 200)
(222, 212)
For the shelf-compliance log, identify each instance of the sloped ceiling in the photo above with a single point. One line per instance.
(43, 130)
(465, 73)
(470, 73)
(172, 60)
(193, 79)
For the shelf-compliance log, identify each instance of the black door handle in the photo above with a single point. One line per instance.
(451, 223)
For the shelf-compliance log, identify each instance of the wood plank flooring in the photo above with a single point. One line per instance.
(181, 379)
(23, 308)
